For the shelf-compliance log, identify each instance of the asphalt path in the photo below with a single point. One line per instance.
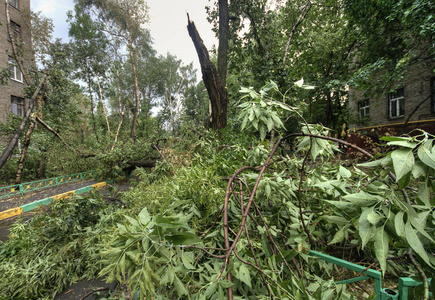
(18, 200)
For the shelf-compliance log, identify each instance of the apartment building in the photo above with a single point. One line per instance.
(12, 98)
(411, 105)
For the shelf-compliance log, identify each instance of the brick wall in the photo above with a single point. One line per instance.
(21, 17)
(416, 86)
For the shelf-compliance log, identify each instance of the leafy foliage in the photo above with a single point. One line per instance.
(54, 249)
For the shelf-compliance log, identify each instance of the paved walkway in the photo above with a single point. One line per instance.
(18, 200)
(76, 291)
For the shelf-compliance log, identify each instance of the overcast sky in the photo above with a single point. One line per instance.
(168, 22)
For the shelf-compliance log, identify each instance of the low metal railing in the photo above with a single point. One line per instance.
(405, 283)
(21, 189)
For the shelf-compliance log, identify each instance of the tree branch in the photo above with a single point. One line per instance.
(305, 9)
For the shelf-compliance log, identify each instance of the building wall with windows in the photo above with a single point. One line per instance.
(388, 109)
(12, 92)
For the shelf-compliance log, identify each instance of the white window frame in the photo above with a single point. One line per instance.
(15, 70)
(396, 104)
(364, 109)
(17, 106)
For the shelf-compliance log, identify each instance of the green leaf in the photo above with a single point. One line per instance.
(404, 181)
(267, 190)
(399, 141)
(180, 287)
(187, 261)
(270, 86)
(381, 247)
(244, 275)
(426, 154)
(257, 111)
(365, 228)
(361, 199)
(374, 218)
(225, 283)
(211, 289)
(343, 205)
(299, 83)
(415, 243)
(424, 194)
(419, 170)
(335, 220)
(380, 162)
(270, 124)
(245, 121)
(403, 161)
(131, 220)
(344, 173)
(183, 238)
(262, 132)
(399, 225)
(339, 236)
(144, 216)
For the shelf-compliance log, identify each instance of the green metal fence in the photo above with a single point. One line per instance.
(20, 189)
(405, 283)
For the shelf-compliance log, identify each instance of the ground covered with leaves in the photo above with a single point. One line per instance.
(221, 218)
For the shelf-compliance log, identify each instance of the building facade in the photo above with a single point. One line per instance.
(413, 103)
(12, 98)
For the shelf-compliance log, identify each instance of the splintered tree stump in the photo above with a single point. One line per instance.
(216, 89)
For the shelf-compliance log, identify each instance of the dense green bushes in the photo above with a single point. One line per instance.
(171, 241)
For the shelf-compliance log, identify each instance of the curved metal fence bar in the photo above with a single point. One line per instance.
(368, 273)
(20, 189)
(380, 294)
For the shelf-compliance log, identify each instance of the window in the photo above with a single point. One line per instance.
(17, 106)
(396, 103)
(15, 70)
(16, 32)
(364, 109)
(14, 3)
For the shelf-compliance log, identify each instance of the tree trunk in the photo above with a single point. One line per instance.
(102, 103)
(25, 147)
(13, 142)
(136, 90)
(92, 102)
(216, 89)
(224, 29)
(42, 165)
(121, 111)
(328, 108)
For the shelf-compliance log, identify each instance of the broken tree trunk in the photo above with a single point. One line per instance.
(13, 142)
(25, 147)
(216, 88)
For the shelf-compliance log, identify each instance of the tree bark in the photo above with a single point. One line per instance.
(25, 147)
(224, 29)
(42, 165)
(136, 90)
(102, 102)
(13, 142)
(216, 89)
(91, 100)
(121, 110)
